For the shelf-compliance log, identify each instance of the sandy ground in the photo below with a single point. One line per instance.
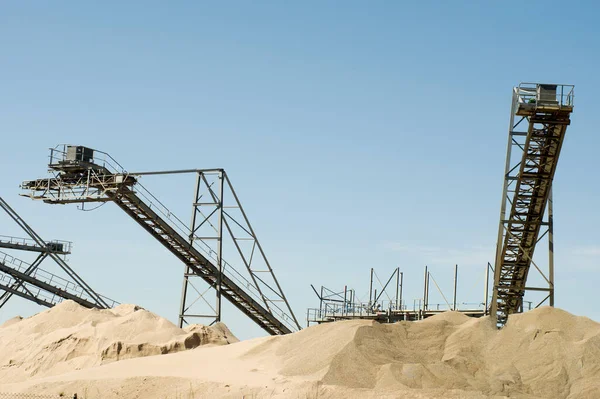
(131, 353)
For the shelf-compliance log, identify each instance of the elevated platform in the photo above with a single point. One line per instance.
(27, 244)
(391, 316)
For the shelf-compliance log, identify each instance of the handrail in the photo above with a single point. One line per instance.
(528, 92)
(50, 278)
(31, 290)
(59, 154)
(67, 245)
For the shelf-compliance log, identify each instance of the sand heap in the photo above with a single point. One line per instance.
(545, 353)
(70, 337)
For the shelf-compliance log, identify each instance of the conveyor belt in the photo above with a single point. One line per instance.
(85, 181)
(547, 115)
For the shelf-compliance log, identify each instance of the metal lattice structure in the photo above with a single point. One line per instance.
(540, 114)
(82, 175)
(29, 281)
(385, 303)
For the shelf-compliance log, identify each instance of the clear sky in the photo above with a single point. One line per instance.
(357, 134)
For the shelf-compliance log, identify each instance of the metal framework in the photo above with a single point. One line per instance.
(395, 300)
(540, 114)
(342, 305)
(82, 175)
(331, 301)
(220, 225)
(427, 281)
(29, 281)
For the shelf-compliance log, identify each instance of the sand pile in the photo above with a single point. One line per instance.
(70, 337)
(545, 353)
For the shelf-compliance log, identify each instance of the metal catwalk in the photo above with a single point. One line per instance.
(544, 109)
(28, 281)
(85, 175)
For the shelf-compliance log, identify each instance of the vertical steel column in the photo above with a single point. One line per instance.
(321, 303)
(186, 269)
(397, 285)
(428, 279)
(220, 245)
(425, 293)
(401, 283)
(371, 290)
(551, 247)
(455, 281)
(373, 305)
(486, 290)
(345, 298)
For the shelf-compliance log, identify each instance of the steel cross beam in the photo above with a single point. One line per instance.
(527, 194)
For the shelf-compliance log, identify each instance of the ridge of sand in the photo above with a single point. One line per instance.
(70, 337)
(544, 353)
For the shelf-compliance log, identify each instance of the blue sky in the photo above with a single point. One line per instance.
(357, 134)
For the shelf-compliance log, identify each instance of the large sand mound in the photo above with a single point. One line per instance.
(70, 337)
(545, 353)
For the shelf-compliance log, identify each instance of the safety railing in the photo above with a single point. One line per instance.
(333, 310)
(51, 279)
(55, 245)
(30, 289)
(357, 309)
(442, 307)
(534, 93)
(58, 155)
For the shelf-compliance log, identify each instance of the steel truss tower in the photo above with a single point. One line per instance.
(218, 225)
(540, 114)
(29, 281)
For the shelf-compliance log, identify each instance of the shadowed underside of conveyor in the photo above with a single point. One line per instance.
(83, 177)
(545, 110)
